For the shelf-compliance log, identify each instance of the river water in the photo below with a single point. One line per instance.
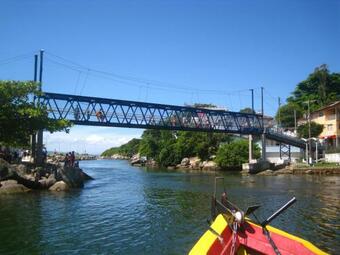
(131, 210)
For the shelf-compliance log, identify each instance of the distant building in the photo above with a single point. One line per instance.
(329, 117)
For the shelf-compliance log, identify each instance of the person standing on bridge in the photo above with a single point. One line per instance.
(88, 115)
(99, 116)
(76, 113)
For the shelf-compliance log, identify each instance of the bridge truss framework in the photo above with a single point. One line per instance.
(83, 110)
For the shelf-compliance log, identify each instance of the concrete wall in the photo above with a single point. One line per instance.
(332, 157)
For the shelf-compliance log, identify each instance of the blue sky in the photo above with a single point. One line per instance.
(180, 51)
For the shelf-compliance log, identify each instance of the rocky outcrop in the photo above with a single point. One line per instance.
(31, 177)
(194, 163)
(137, 160)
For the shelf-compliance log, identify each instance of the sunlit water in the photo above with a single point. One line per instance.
(129, 210)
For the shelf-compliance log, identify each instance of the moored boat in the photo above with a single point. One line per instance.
(232, 232)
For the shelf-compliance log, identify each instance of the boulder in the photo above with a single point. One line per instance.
(267, 172)
(86, 177)
(59, 186)
(194, 162)
(21, 169)
(209, 166)
(12, 186)
(72, 176)
(47, 182)
(185, 162)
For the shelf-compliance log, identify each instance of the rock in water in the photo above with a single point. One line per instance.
(59, 186)
(72, 176)
(12, 186)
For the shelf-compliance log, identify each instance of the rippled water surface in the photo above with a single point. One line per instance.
(129, 210)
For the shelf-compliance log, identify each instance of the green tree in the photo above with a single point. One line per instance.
(286, 114)
(168, 156)
(20, 117)
(128, 149)
(303, 130)
(150, 143)
(321, 86)
(234, 154)
(247, 110)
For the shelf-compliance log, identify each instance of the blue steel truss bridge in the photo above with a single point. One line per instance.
(94, 111)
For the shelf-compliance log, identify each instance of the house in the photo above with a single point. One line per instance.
(329, 117)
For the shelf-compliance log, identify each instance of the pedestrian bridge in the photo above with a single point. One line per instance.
(94, 111)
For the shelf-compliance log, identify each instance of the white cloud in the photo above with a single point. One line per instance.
(89, 139)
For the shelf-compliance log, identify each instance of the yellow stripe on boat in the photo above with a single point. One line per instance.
(206, 241)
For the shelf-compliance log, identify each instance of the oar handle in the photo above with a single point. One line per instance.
(278, 212)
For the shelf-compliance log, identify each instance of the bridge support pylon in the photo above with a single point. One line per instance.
(39, 148)
(264, 156)
(250, 138)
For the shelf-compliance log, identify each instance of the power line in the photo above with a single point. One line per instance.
(15, 59)
(155, 84)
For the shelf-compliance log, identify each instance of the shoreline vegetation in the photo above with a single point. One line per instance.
(185, 149)
(195, 164)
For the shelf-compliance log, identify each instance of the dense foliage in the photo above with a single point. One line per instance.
(127, 149)
(20, 117)
(320, 88)
(235, 153)
(247, 110)
(286, 114)
(170, 147)
(303, 130)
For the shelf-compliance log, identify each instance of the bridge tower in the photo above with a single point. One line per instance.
(39, 147)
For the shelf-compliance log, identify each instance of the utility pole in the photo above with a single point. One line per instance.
(295, 121)
(263, 135)
(33, 136)
(250, 137)
(40, 132)
(279, 112)
(309, 135)
(252, 100)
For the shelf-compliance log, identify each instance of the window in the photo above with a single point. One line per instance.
(320, 113)
(330, 127)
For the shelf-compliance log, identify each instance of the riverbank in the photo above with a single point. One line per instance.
(300, 170)
(195, 164)
(17, 178)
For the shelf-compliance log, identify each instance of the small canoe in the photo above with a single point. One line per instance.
(233, 233)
